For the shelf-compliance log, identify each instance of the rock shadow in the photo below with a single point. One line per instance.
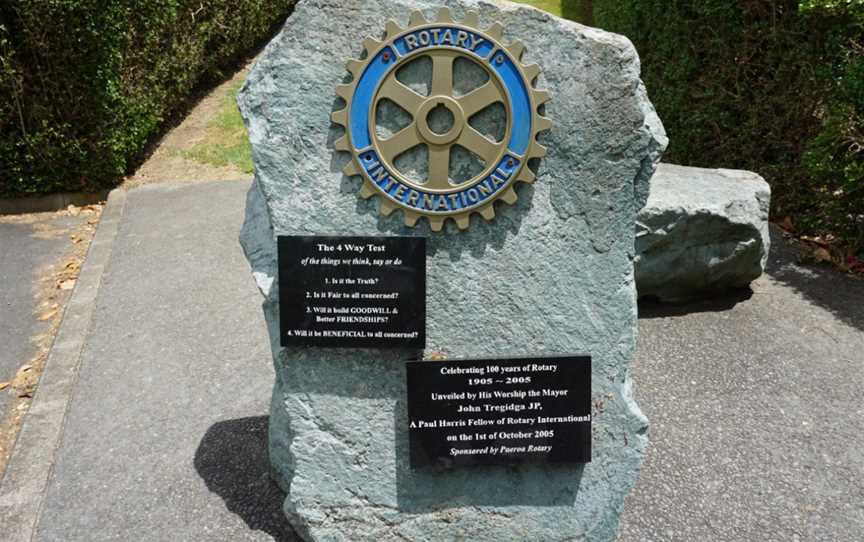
(232, 460)
(837, 292)
(821, 284)
(651, 307)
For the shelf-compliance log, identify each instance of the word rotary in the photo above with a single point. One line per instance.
(504, 162)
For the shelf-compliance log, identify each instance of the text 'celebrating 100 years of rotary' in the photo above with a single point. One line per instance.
(499, 411)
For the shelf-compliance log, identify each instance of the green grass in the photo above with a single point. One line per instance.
(552, 6)
(225, 141)
(569, 9)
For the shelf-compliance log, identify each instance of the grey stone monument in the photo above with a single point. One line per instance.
(550, 274)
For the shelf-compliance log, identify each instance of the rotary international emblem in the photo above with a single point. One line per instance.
(447, 116)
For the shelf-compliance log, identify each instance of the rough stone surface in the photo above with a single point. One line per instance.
(552, 274)
(702, 231)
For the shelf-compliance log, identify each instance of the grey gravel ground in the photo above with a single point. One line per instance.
(164, 439)
(754, 400)
(756, 413)
(27, 249)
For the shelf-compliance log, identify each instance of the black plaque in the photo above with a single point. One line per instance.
(352, 291)
(499, 411)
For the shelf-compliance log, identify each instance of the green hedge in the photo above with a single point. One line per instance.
(766, 85)
(84, 84)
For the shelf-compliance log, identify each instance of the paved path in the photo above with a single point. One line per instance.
(165, 434)
(29, 246)
(754, 403)
(756, 412)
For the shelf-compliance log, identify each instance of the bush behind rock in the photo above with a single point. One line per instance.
(85, 84)
(764, 85)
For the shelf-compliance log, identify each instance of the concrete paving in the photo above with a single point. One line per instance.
(753, 400)
(164, 439)
(756, 412)
(27, 249)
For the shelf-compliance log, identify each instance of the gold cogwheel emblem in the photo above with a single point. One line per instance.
(470, 161)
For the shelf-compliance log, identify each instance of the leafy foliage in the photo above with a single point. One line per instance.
(835, 157)
(767, 85)
(85, 84)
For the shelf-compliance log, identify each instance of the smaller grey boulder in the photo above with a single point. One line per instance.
(703, 231)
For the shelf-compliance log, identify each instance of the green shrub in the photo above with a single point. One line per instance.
(835, 157)
(85, 84)
(578, 10)
(754, 84)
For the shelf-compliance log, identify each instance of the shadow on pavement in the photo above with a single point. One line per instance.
(652, 308)
(839, 293)
(232, 461)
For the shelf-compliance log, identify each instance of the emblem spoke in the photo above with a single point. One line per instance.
(480, 98)
(439, 167)
(400, 94)
(478, 144)
(405, 139)
(442, 74)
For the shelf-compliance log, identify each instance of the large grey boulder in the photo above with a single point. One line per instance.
(552, 274)
(703, 231)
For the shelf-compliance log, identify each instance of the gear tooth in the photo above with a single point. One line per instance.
(351, 169)
(343, 91)
(391, 28)
(509, 196)
(541, 96)
(471, 19)
(517, 49)
(371, 44)
(537, 150)
(444, 16)
(354, 66)
(496, 30)
(463, 221)
(366, 190)
(488, 212)
(531, 72)
(526, 175)
(386, 207)
(436, 222)
(410, 217)
(339, 117)
(416, 18)
(341, 144)
(543, 123)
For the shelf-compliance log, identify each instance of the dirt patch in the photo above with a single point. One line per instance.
(53, 286)
(177, 157)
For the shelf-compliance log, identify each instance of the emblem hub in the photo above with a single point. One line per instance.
(449, 136)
